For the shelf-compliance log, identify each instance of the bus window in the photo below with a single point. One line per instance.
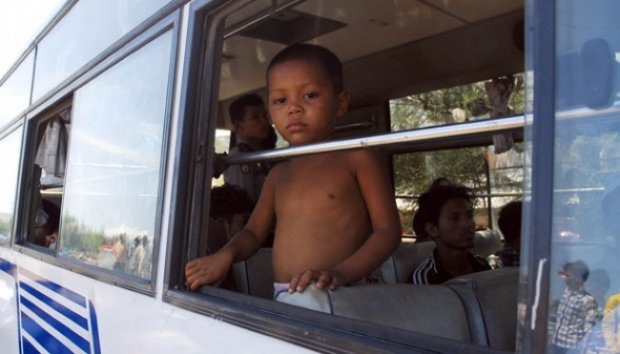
(14, 91)
(585, 268)
(404, 54)
(10, 147)
(104, 182)
(50, 157)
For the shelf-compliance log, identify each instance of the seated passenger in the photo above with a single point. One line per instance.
(447, 213)
(46, 233)
(335, 215)
(509, 223)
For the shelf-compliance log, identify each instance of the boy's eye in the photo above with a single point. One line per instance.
(311, 95)
(279, 100)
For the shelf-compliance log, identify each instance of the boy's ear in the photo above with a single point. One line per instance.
(343, 103)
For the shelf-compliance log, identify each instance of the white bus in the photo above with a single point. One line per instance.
(114, 120)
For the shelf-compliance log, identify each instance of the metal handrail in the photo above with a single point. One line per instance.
(394, 139)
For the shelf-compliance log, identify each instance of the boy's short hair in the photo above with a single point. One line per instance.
(509, 220)
(321, 56)
(577, 269)
(431, 202)
(236, 110)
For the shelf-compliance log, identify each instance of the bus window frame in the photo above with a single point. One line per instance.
(167, 19)
(7, 130)
(194, 162)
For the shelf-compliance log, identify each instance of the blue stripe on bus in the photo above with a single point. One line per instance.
(44, 339)
(94, 327)
(70, 314)
(58, 325)
(29, 348)
(19, 322)
(7, 267)
(69, 294)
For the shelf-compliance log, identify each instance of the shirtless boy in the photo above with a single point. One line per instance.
(335, 216)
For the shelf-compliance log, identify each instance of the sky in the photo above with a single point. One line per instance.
(20, 22)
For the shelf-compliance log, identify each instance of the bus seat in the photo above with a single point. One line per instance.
(399, 266)
(490, 298)
(254, 276)
(487, 242)
(480, 308)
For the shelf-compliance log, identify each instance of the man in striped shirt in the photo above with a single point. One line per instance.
(446, 215)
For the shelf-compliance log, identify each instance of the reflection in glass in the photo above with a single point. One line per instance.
(115, 161)
(9, 160)
(15, 92)
(99, 24)
(587, 170)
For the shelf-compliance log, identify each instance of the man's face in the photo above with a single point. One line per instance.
(255, 124)
(455, 227)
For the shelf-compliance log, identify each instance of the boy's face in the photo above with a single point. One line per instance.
(455, 227)
(303, 103)
(254, 125)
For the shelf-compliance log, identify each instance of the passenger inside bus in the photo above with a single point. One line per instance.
(253, 133)
(46, 233)
(306, 96)
(509, 223)
(446, 211)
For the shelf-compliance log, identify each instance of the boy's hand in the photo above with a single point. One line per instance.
(325, 279)
(206, 270)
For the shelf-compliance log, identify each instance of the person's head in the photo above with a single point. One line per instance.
(509, 222)
(249, 118)
(446, 215)
(306, 93)
(231, 203)
(574, 273)
(47, 233)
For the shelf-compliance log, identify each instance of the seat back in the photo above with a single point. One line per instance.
(254, 276)
(399, 266)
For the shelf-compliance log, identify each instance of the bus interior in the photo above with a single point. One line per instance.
(398, 59)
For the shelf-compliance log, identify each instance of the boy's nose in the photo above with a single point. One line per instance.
(294, 107)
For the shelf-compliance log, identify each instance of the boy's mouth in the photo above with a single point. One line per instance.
(295, 127)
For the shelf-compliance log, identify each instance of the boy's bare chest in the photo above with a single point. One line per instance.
(321, 179)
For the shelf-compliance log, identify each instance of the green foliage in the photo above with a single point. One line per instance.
(76, 237)
(414, 172)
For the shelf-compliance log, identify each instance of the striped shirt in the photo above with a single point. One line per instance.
(431, 272)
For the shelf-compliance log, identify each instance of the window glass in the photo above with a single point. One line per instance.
(99, 24)
(15, 91)
(29, 16)
(585, 264)
(496, 178)
(500, 97)
(10, 147)
(115, 163)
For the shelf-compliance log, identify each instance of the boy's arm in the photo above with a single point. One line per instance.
(378, 195)
(212, 269)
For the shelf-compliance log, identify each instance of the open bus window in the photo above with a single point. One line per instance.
(50, 156)
(404, 53)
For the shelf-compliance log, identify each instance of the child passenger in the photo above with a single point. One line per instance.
(334, 213)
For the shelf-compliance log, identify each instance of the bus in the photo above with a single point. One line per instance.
(114, 132)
